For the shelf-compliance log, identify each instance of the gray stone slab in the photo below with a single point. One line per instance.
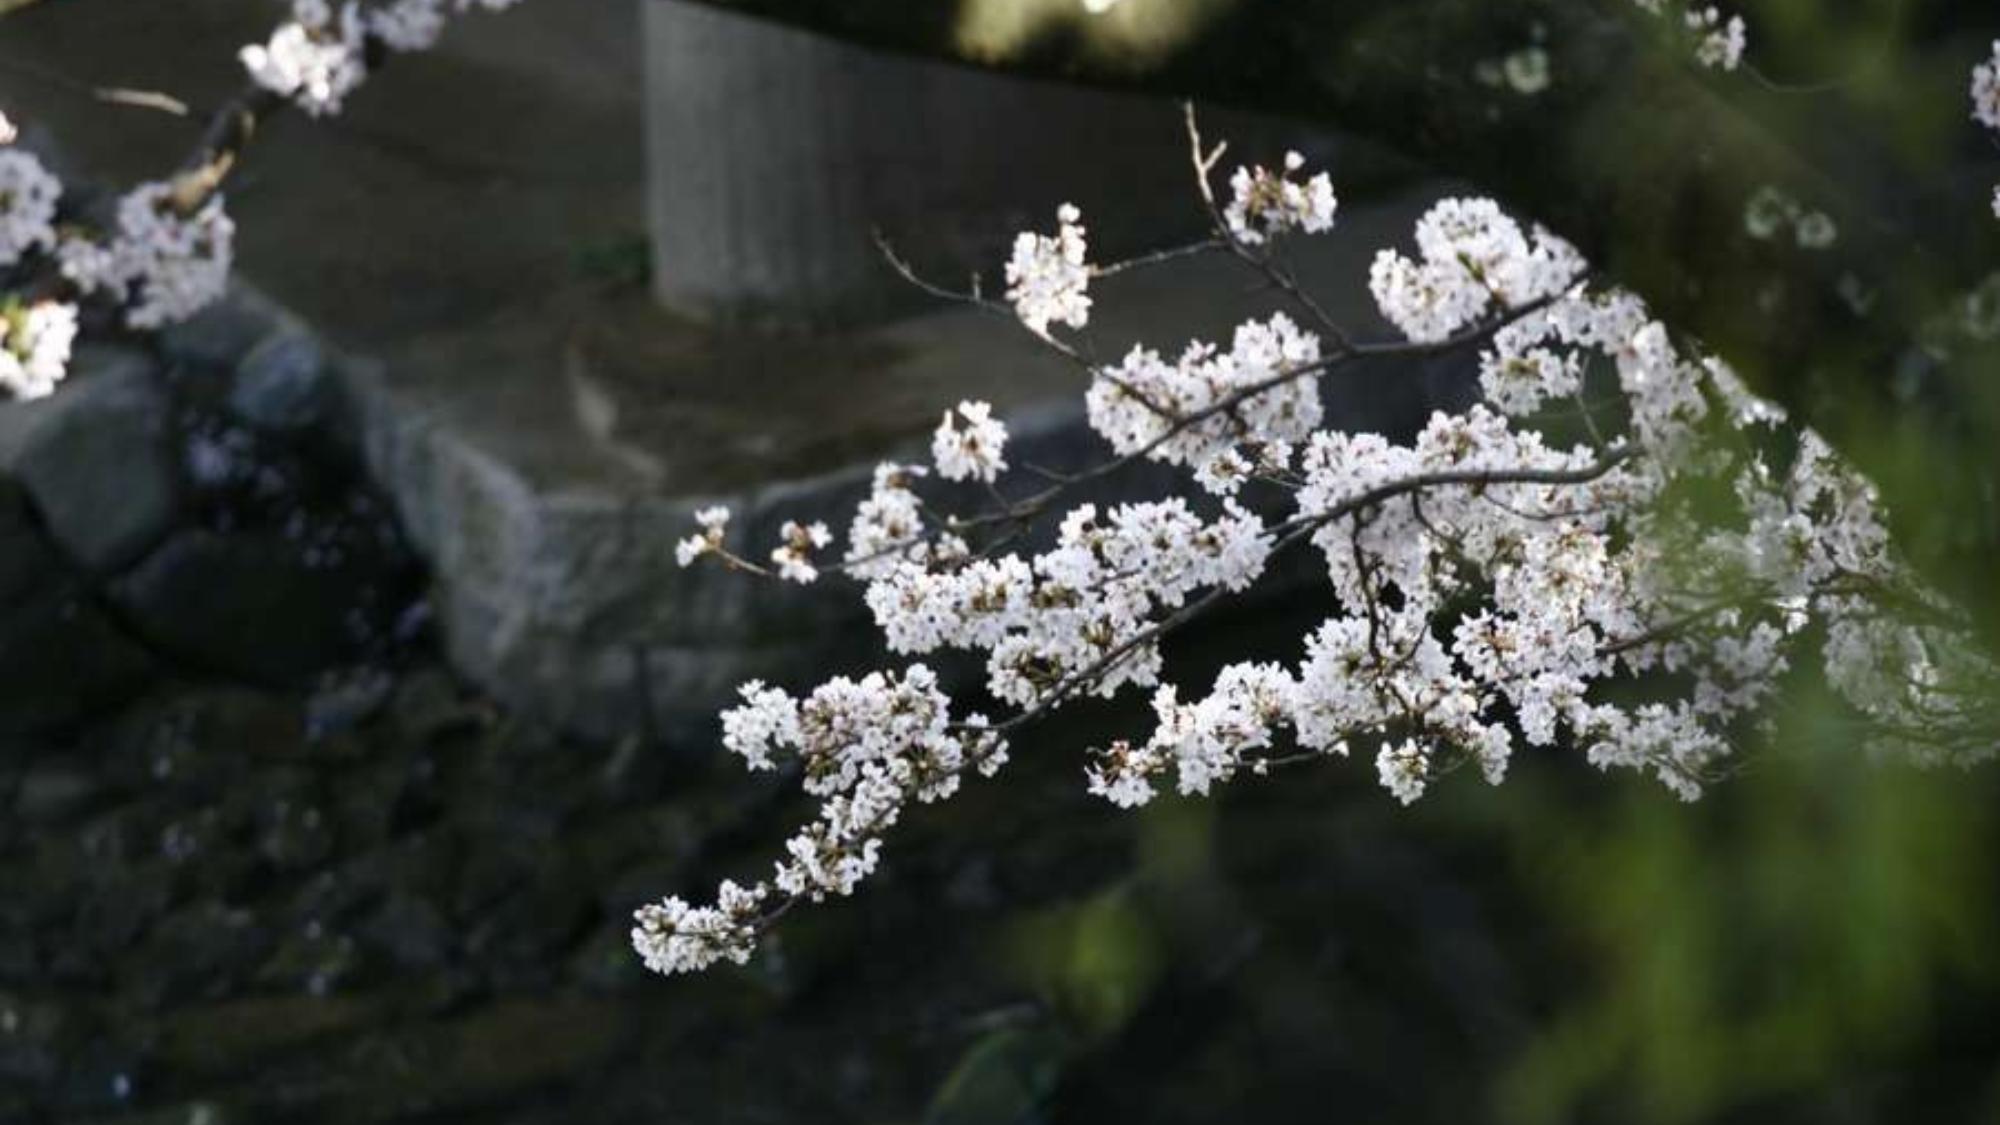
(282, 384)
(96, 459)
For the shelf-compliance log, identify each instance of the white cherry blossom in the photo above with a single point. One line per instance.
(1264, 204)
(973, 450)
(1492, 582)
(714, 524)
(28, 198)
(797, 544)
(1986, 90)
(163, 266)
(35, 347)
(1048, 278)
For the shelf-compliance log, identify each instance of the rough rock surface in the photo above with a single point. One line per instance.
(248, 606)
(189, 498)
(215, 917)
(212, 916)
(283, 383)
(97, 459)
(61, 656)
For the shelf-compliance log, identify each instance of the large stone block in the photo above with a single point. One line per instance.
(26, 558)
(223, 333)
(62, 659)
(96, 459)
(250, 606)
(282, 383)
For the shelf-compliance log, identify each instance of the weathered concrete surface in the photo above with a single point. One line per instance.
(774, 154)
(473, 178)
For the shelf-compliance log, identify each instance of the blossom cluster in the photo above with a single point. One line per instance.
(1718, 42)
(35, 336)
(714, 523)
(1196, 408)
(1048, 281)
(169, 252)
(889, 525)
(974, 451)
(163, 265)
(1079, 613)
(866, 749)
(1264, 204)
(797, 544)
(319, 56)
(1986, 101)
(34, 347)
(28, 198)
(1528, 573)
(1473, 259)
(1986, 90)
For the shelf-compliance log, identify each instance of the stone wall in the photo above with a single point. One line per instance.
(186, 505)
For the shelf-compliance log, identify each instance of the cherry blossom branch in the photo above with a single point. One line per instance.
(1205, 160)
(216, 154)
(170, 250)
(111, 95)
(974, 298)
(1485, 581)
(1178, 422)
(1287, 535)
(1301, 528)
(1160, 257)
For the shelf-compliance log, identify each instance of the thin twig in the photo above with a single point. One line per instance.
(141, 99)
(1205, 161)
(112, 95)
(1158, 257)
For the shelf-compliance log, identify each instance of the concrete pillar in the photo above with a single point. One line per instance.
(773, 154)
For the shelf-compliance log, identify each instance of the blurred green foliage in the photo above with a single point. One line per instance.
(1809, 917)
(1813, 933)
(1092, 962)
(1004, 1079)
